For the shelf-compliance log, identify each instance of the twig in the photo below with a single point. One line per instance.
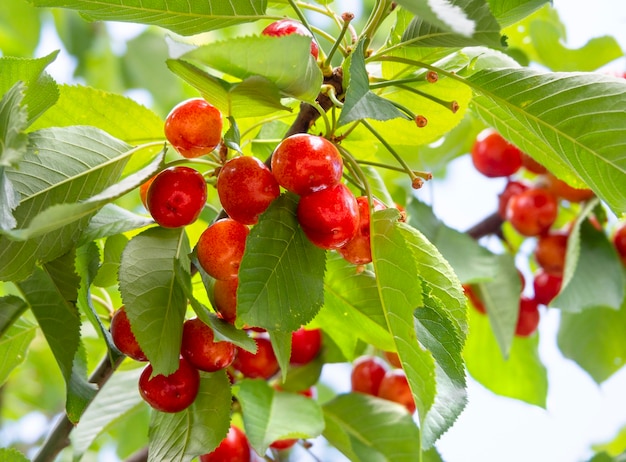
(491, 224)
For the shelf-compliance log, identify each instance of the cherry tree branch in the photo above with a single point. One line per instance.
(491, 224)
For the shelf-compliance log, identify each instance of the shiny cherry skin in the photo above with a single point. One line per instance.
(201, 350)
(330, 217)
(282, 445)
(304, 164)
(305, 346)
(123, 336)
(561, 189)
(171, 393)
(176, 196)
(532, 165)
(493, 156)
(234, 448)
(143, 191)
(395, 387)
(512, 188)
(546, 286)
(532, 212)
(550, 252)
(246, 188)
(474, 299)
(262, 364)
(367, 374)
(358, 250)
(194, 127)
(225, 298)
(288, 27)
(221, 246)
(619, 241)
(528, 318)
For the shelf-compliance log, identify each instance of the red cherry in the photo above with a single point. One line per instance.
(123, 336)
(393, 358)
(493, 156)
(281, 445)
(395, 387)
(528, 318)
(512, 188)
(234, 448)
(225, 298)
(358, 249)
(194, 127)
(201, 350)
(262, 364)
(550, 252)
(329, 217)
(246, 187)
(561, 189)
(547, 286)
(220, 248)
(305, 345)
(532, 212)
(532, 165)
(619, 241)
(143, 191)
(367, 373)
(171, 393)
(474, 299)
(288, 27)
(176, 196)
(304, 163)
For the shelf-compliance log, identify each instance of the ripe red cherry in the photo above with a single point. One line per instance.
(619, 241)
(358, 250)
(329, 217)
(225, 298)
(532, 165)
(393, 358)
(395, 387)
(201, 350)
(262, 364)
(176, 196)
(234, 448)
(220, 248)
(561, 189)
(246, 187)
(281, 445)
(547, 286)
(305, 345)
(532, 212)
(512, 188)
(367, 373)
(474, 299)
(528, 318)
(123, 336)
(288, 27)
(171, 393)
(194, 127)
(493, 156)
(304, 163)
(550, 252)
(143, 191)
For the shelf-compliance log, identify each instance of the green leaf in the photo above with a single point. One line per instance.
(9, 200)
(62, 165)
(112, 219)
(12, 455)
(154, 299)
(197, 430)
(118, 398)
(19, 29)
(11, 308)
(14, 343)
(368, 429)
(281, 275)
(522, 376)
(281, 344)
(270, 415)
(285, 61)
(595, 339)
(511, 11)
(181, 17)
(60, 323)
(13, 120)
(562, 120)
(467, 18)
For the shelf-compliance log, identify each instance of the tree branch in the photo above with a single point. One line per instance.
(491, 224)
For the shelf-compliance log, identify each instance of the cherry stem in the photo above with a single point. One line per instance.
(424, 175)
(381, 10)
(354, 166)
(346, 18)
(451, 105)
(300, 14)
(410, 114)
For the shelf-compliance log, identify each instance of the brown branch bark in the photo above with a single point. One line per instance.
(489, 225)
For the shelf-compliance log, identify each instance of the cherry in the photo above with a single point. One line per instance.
(532, 165)
(234, 448)
(194, 127)
(561, 189)
(201, 350)
(493, 156)
(281, 445)
(225, 298)
(619, 241)
(512, 188)
(550, 252)
(528, 318)
(143, 191)
(532, 212)
(176, 196)
(393, 358)
(123, 336)
(395, 387)
(474, 299)
(305, 345)
(288, 27)
(547, 286)
(358, 250)
(367, 374)
(220, 248)
(262, 364)
(329, 217)
(304, 163)
(171, 393)
(246, 187)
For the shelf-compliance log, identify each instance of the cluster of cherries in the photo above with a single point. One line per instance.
(531, 207)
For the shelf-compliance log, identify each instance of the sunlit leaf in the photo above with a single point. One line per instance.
(112, 219)
(12, 455)
(19, 37)
(511, 11)
(14, 343)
